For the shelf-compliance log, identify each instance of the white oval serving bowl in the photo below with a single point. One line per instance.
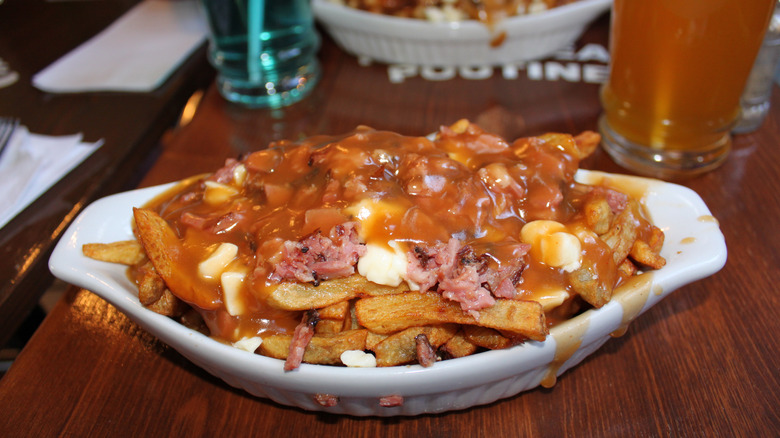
(397, 40)
(694, 248)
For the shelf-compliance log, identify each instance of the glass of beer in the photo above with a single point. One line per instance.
(264, 50)
(678, 69)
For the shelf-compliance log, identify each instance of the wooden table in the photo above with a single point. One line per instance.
(33, 34)
(701, 363)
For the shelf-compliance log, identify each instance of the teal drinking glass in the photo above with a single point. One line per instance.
(264, 50)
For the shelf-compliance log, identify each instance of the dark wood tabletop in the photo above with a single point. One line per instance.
(703, 362)
(34, 34)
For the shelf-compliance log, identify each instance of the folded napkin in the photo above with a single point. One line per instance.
(135, 53)
(32, 163)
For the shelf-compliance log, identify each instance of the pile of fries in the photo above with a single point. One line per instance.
(226, 290)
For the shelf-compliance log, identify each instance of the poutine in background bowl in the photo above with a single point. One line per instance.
(693, 248)
(400, 40)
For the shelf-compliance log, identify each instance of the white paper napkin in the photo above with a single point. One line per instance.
(135, 53)
(32, 163)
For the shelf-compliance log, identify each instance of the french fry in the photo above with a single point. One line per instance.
(391, 313)
(400, 348)
(304, 296)
(627, 268)
(643, 254)
(656, 240)
(334, 318)
(587, 142)
(193, 320)
(329, 326)
(125, 252)
(373, 339)
(162, 246)
(351, 322)
(337, 311)
(486, 337)
(322, 349)
(150, 285)
(167, 305)
(598, 214)
(585, 281)
(621, 236)
(459, 346)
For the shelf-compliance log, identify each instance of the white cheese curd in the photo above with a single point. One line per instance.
(217, 193)
(239, 175)
(383, 265)
(533, 231)
(434, 14)
(446, 13)
(537, 6)
(213, 266)
(368, 211)
(562, 250)
(248, 344)
(551, 299)
(358, 359)
(452, 13)
(552, 244)
(232, 281)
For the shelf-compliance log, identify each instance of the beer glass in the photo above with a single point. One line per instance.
(678, 69)
(264, 50)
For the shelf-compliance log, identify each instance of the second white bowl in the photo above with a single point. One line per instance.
(399, 40)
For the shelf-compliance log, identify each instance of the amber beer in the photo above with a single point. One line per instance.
(677, 71)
